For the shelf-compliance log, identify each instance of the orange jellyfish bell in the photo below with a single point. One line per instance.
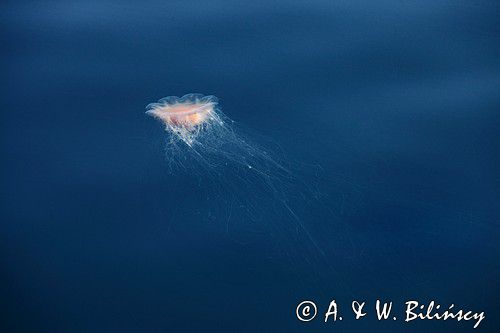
(188, 111)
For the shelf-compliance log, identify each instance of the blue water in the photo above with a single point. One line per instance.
(389, 109)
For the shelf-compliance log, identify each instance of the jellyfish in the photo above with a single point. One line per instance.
(250, 178)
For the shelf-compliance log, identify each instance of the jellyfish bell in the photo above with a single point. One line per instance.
(188, 111)
(185, 116)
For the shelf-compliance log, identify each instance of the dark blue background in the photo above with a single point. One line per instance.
(397, 101)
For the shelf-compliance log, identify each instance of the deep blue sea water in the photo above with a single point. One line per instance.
(390, 110)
